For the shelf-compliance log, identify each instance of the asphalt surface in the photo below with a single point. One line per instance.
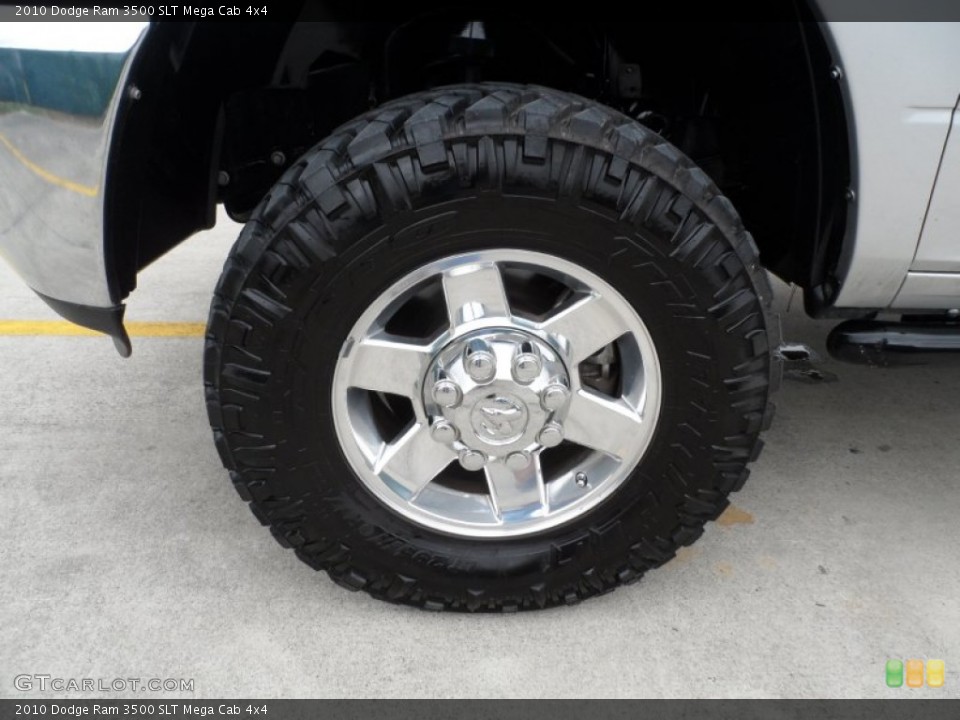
(125, 552)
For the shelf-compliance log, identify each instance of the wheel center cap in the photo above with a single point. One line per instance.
(499, 418)
(496, 394)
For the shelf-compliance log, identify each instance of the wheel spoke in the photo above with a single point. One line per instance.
(473, 292)
(389, 366)
(516, 494)
(413, 460)
(586, 326)
(603, 424)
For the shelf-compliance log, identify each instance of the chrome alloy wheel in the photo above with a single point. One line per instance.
(530, 401)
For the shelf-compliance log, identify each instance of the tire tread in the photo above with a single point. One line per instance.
(378, 161)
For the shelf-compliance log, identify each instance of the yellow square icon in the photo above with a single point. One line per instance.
(914, 673)
(935, 673)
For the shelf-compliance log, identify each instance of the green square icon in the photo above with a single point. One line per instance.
(894, 673)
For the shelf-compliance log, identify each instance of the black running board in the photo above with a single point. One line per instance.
(888, 344)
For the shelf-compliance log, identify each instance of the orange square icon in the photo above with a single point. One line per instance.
(914, 673)
(935, 673)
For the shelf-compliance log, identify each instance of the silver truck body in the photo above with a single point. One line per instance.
(900, 82)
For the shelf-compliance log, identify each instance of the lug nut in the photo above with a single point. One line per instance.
(447, 393)
(527, 364)
(554, 397)
(517, 460)
(551, 435)
(581, 479)
(472, 460)
(444, 432)
(480, 361)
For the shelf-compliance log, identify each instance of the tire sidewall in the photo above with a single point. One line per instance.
(636, 262)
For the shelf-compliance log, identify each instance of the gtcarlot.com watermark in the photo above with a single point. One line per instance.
(50, 683)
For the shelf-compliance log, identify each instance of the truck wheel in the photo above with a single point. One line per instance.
(490, 348)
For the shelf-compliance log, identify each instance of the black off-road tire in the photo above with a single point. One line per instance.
(431, 175)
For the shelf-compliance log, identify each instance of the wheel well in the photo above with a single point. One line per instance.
(224, 109)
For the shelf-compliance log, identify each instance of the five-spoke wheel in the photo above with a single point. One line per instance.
(524, 405)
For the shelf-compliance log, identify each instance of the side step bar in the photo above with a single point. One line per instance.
(887, 343)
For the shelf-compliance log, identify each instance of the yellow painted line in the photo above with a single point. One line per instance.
(135, 329)
(89, 191)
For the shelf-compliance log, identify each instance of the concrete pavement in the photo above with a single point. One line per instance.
(124, 552)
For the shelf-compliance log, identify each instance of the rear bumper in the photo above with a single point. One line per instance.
(59, 99)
